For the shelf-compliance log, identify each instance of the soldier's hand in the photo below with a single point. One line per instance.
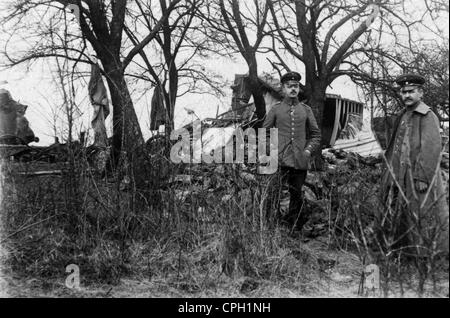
(307, 153)
(421, 186)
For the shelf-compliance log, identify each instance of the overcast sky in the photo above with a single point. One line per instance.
(36, 87)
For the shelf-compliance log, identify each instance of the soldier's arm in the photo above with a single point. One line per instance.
(393, 133)
(315, 136)
(270, 118)
(428, 159)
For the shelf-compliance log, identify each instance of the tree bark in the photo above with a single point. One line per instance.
(127, 135)
(171, 95)
(316, 92)
(255, 88)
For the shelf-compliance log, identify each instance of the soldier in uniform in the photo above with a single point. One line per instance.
(298, 137)
(412, 181)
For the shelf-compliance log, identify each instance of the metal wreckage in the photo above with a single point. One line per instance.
(14, 126)
(343, 131)
(347, 142)
(16, 135)
(343, 125)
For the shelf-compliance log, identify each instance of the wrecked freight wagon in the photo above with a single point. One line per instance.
(343, 125)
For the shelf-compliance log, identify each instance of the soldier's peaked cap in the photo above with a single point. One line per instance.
(290, 76)
(410, 80)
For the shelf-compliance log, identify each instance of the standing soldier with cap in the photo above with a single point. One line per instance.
(412, 182)
(298, 137)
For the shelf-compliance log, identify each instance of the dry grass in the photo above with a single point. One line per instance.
(202, 236)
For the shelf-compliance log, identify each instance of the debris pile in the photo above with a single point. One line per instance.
(14, 127)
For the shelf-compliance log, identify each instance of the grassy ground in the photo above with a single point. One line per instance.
(342, 281)
(205, 237)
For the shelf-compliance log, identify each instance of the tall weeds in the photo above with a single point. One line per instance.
(192, 226)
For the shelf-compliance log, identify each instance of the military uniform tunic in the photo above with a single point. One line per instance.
(400, 160)
(297, 131)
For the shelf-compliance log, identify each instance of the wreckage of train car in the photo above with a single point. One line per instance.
(14, 126)
(343, 125)
(15, 132)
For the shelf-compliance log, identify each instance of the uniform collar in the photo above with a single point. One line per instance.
(290, 102)
(422, 108)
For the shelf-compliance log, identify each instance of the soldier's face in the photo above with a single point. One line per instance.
(291, 89)
(411, 95)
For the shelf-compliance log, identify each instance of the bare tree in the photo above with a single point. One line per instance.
(308, 30)
(180, 48)
(336, 38)
(431, 61)
(102, 24)
(376, 67)
(238, 27)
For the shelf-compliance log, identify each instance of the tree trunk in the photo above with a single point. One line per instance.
(316, 99)
(127, 135)
(316, 92)
(173, 92)
(258, 99)
(255, 88)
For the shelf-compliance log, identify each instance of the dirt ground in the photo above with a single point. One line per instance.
(342, 281)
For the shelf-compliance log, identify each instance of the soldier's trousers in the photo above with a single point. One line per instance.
(294, 179)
